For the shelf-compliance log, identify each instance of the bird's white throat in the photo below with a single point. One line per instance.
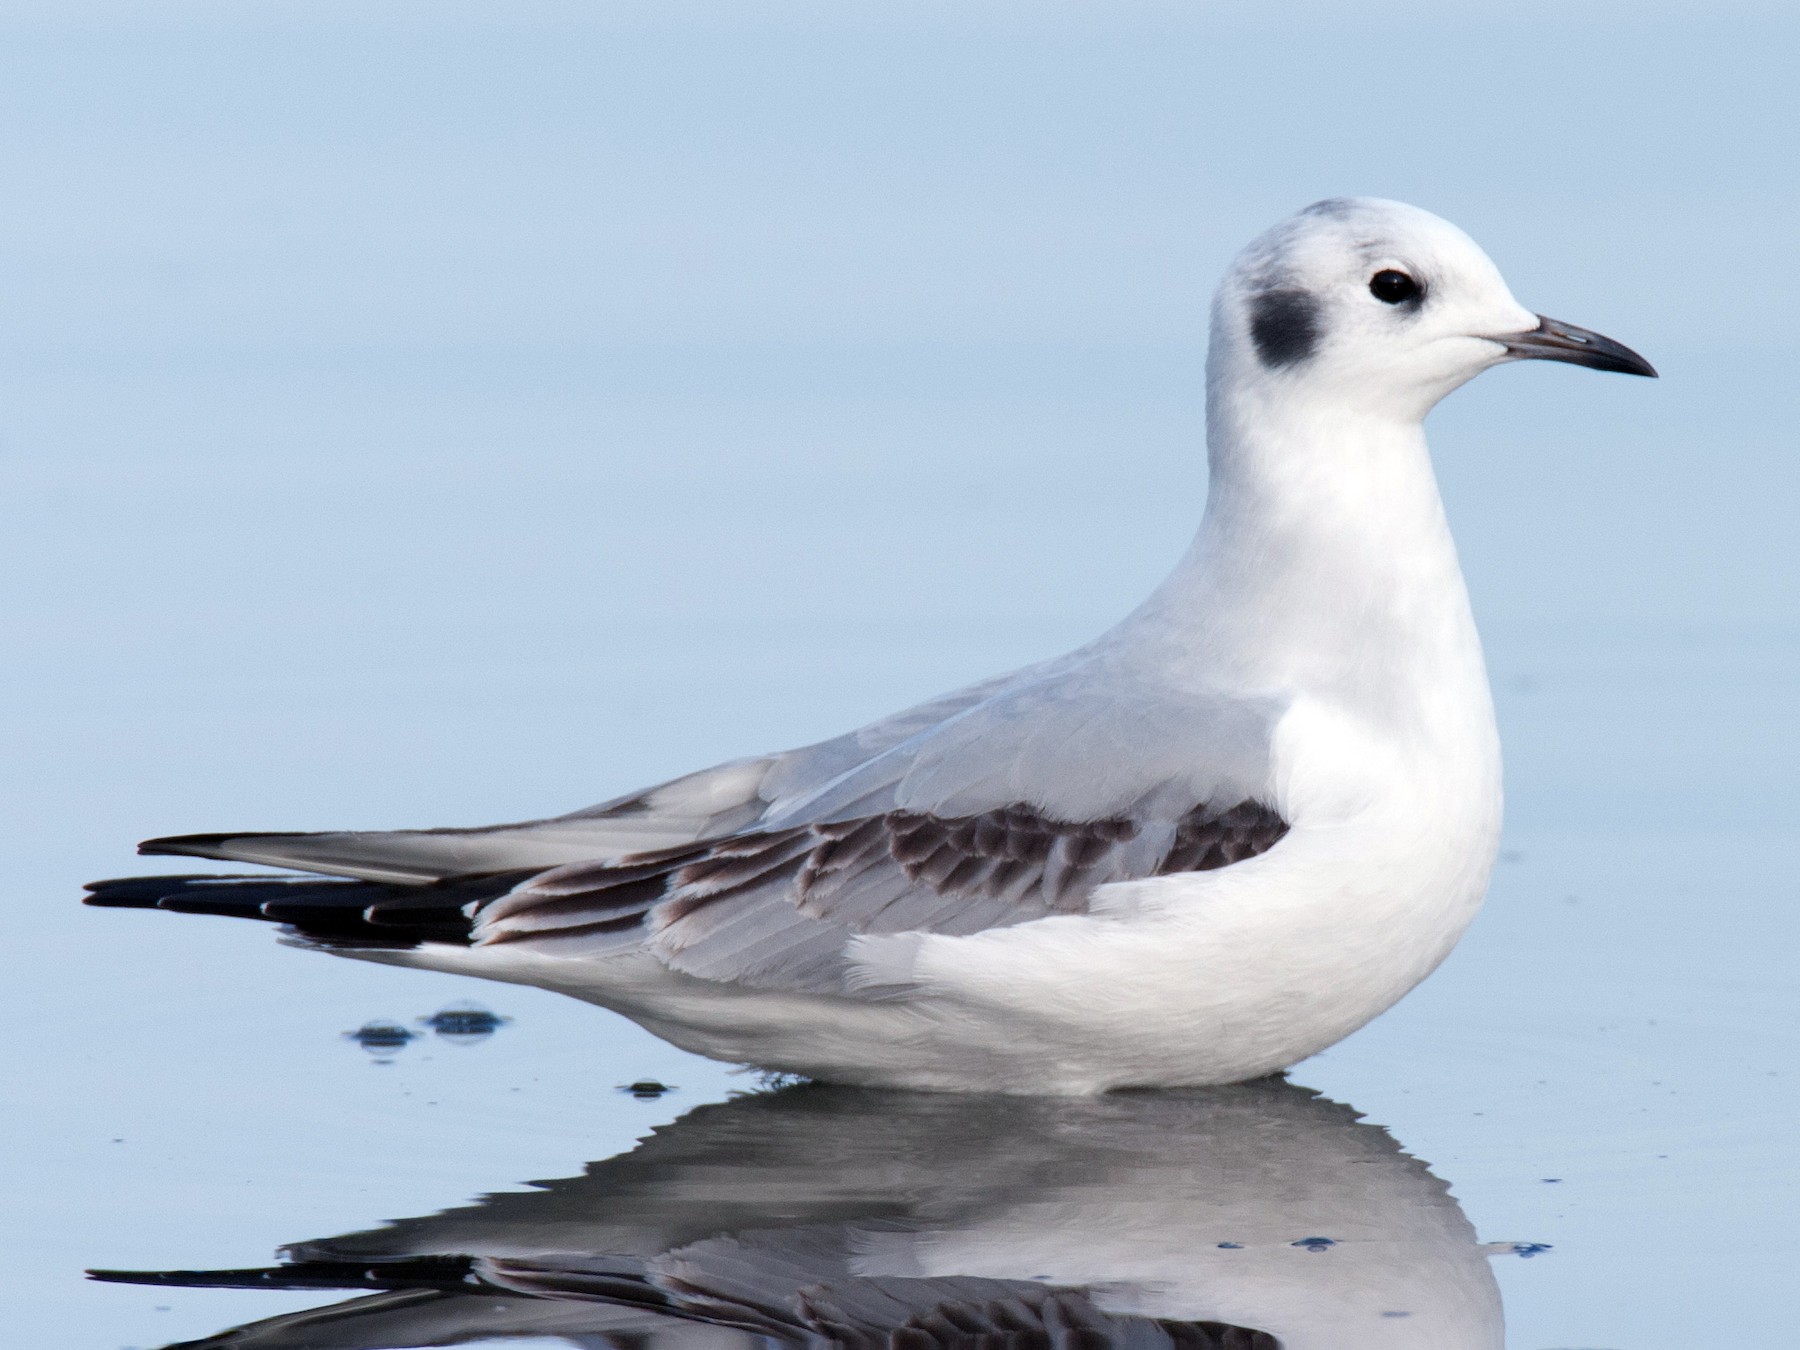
(1324, 562)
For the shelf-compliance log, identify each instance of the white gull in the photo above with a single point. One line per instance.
(1208, 844)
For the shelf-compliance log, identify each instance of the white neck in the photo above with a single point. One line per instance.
(1323, 565)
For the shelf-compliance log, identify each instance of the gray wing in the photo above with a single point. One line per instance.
(1004, 803)
(1016, 808)
(777, 909)
(711, 804)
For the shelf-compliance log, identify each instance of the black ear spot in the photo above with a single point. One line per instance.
(1285, 327)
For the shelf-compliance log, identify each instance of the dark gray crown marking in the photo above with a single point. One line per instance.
(1285, 326)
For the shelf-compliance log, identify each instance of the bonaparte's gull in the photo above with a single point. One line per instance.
(1213, 841)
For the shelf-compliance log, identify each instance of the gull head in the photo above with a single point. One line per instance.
(1380, 308)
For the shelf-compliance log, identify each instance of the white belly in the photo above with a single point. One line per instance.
(1194, 979)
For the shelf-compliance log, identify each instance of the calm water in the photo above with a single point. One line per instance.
(431, 416)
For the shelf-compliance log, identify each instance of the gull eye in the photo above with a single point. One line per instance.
(1393, 288)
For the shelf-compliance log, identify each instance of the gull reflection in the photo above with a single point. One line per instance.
(1260, 1217)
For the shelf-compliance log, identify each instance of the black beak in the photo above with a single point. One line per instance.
(1554, 340)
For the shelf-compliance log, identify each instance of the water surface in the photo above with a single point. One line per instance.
(437, 416)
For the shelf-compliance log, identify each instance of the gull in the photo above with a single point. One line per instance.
(1208, 844)
(1258, 1217)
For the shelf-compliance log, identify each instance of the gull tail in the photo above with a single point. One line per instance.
(601, 1300)
(402, 857)
(419, 1272)
(326, 912)
(433, 1300)
(704, 805)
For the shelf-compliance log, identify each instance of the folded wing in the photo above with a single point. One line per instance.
(1008, 803)
(711, 804)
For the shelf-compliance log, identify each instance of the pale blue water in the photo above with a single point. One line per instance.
(440, 413)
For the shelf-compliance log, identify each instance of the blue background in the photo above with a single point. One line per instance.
(432, 413)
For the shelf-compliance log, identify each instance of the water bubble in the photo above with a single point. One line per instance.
(381, 1039)
(464, 1023)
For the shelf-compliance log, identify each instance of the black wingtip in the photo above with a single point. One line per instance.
(138, 892)
(430, 1272)
(137, 1276)
(330, 911)
(203, 845)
